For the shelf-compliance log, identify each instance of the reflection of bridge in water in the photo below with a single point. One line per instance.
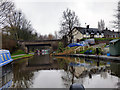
(41, 62)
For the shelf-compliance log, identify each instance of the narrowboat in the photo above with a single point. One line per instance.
(5, 69)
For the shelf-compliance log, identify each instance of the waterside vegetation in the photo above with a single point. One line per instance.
(22, 56)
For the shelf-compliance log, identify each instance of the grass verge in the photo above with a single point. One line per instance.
(23, 56)
(18, 52)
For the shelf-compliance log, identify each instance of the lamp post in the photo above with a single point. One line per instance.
(85, 29)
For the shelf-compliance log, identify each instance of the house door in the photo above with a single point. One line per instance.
(92, 36)
(78, 40)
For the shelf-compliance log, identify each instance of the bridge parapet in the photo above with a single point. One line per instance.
(38, 43)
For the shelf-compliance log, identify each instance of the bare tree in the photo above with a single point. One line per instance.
(14, 22)
(6, 7)
(41, 37)
(101, 25)
(117, 16)
(70, 20)
(19, 27)
(50, 37)
(45, 37)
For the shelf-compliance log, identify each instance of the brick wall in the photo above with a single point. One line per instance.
(8, 44)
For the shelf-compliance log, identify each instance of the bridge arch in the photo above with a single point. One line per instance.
(52, 44)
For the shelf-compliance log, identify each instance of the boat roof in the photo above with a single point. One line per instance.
(114, 41)
(4, 51)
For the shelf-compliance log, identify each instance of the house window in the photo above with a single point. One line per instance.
(87, 34)
(102, 34)
(97, 34)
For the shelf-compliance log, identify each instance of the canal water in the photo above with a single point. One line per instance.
(60, 72)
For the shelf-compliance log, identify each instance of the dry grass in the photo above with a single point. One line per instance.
(72, 50)
(67, 51)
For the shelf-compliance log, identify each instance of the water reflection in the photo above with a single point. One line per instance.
(97, 72)
(6, 76)
(61, 72)
(21, 78)
(115, 71)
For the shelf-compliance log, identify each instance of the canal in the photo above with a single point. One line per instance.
(43, 71)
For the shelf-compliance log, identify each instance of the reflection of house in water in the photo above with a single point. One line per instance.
(115, 70)
(104, 75)
(6, 76)
(87, 68)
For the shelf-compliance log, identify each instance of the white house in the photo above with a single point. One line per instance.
(80, 32)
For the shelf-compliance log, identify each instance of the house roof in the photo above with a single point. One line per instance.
(95, 31)
(108, 32)
(90, 30)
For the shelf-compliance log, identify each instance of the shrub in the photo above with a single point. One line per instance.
(18, 52)
(60, 47)
(88, 50)
(82, 52)
(101, 39)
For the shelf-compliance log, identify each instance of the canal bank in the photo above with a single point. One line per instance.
(21, 56)
(101, 57)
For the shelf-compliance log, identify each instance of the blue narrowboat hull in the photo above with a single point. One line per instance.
(5, 57)
(4, 63)
(5, 69)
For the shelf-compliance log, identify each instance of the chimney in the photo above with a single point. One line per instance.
(106, 28)
(87, 26)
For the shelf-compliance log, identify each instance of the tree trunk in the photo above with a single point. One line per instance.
(71, 37)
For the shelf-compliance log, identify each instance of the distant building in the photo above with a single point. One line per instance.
(111, 34)
(80, 32)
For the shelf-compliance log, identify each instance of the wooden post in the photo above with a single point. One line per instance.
(83, 48)
(28, 50)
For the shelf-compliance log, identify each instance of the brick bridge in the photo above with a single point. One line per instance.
(51, 44)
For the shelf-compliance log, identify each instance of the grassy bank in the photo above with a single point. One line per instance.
(22, 56)
(18, 52)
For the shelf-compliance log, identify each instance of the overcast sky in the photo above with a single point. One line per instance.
(45, 15)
